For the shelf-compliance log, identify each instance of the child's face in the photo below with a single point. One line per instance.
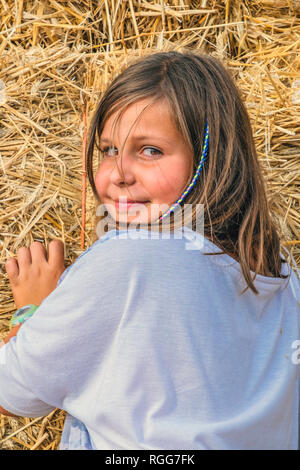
(156, 163)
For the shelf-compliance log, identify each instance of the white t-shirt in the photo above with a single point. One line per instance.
(148, 344)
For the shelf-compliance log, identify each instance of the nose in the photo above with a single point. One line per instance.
(123, 172)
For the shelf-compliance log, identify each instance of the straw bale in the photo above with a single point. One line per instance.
(56, 59)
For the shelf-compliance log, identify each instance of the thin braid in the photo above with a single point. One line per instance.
(199, 168)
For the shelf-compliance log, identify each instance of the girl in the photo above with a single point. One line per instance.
(146, 341)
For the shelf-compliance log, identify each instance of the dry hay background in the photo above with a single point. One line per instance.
(56, 58)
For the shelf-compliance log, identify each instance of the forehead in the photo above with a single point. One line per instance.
(142, 117)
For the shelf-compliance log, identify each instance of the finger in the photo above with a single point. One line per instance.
(56, 256)
(38, 252)
(24, 256)
(12, 268)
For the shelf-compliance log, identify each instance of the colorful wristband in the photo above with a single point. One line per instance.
(22, 314)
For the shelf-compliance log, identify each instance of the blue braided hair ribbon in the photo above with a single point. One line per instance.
(199, 168)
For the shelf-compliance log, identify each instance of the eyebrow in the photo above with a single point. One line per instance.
(139, 137)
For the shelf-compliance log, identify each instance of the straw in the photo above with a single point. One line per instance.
(57, 59)
(83, 205)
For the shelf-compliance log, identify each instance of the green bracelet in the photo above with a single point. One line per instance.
(22, 314)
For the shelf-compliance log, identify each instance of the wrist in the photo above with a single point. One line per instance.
(22, 314)
(19, 317)
(13, 332)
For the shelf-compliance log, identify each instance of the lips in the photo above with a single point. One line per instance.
(128, 201)
(124, 204)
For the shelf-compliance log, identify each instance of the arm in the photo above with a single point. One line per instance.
(6, 413)
(12, 333)
(50, 365)
(32, 278)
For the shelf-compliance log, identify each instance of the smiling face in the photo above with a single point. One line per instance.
(154, 167)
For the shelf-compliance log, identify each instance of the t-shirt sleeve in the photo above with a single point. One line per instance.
(57, 351)
(15, 397)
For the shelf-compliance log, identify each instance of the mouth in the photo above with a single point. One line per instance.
(124, 204)
(125, 201)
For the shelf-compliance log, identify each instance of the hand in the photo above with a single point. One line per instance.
(32, 277)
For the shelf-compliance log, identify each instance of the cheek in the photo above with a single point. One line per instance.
(101, 180)
(170, 181)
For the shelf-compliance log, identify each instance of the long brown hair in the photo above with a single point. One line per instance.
(231, 186)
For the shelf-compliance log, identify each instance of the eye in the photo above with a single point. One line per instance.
(109, 151)
(152, 149)
(147, 151)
